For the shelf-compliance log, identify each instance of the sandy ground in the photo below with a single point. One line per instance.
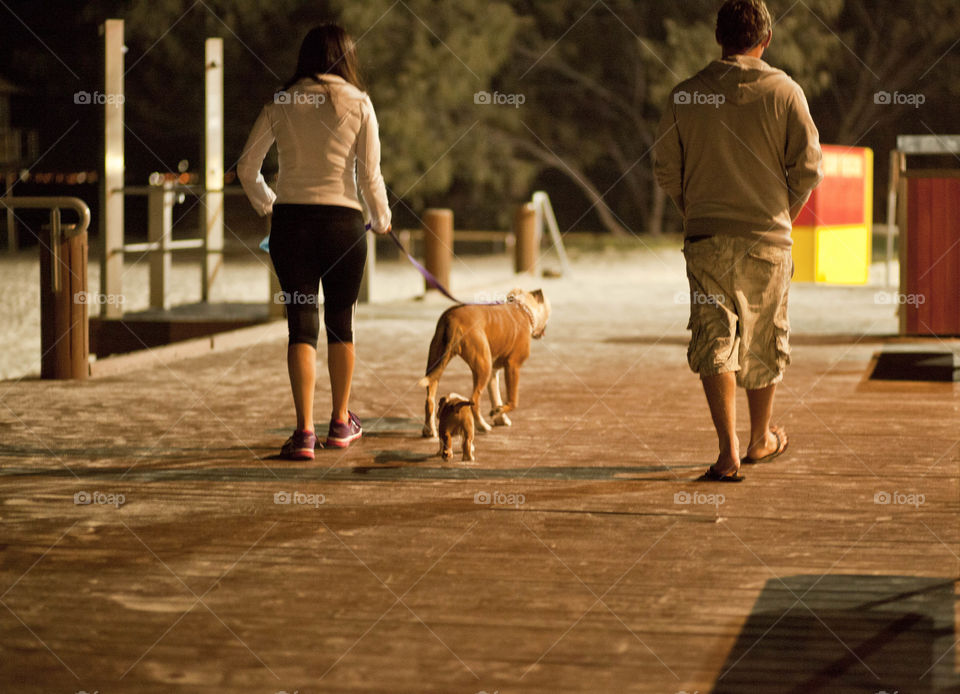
(650, 279)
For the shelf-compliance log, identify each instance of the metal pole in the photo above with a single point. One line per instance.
(159, 231)
(111, 186)
(213, 164)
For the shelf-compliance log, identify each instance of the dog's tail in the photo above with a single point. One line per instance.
(442, 348)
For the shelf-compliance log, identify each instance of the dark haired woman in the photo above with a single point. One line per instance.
(326, 130)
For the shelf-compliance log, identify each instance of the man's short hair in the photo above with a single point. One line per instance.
(742, 24)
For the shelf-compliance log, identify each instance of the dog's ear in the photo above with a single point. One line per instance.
(443, 401)
(537, 294)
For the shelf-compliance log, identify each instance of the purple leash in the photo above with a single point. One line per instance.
(427, 275)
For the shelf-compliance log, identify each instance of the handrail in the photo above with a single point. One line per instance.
(54, 204)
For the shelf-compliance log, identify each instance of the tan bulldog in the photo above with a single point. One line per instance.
(456, 417)
(488, 338)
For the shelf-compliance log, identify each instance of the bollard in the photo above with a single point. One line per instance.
(526, 251)
(64, 326)
(438, 244)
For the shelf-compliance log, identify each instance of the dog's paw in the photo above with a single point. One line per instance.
(496, 411)
(502, 420)
(446, 455)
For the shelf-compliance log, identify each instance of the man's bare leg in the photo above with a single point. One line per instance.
(721, 392)
(763, 439)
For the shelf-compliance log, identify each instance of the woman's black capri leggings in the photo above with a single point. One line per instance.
(314, 244)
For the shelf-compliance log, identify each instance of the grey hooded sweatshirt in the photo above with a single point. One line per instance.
(736, 148)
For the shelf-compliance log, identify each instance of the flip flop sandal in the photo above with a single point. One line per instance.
(711, 475)
(781, 449)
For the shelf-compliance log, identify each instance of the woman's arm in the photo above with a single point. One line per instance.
(372, 187)
(248, 167)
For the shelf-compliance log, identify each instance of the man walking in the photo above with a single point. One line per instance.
(739, 155)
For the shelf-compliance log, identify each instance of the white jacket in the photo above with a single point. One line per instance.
(324, 133)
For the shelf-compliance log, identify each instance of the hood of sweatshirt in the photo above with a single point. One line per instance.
(740, 79)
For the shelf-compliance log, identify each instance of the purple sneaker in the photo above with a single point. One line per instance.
(342, 434)
(299, 446)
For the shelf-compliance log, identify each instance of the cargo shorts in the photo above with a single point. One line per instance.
(738, 309)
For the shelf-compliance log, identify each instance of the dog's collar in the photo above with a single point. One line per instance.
(528, 312)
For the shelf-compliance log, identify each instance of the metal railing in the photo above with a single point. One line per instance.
(58, 232)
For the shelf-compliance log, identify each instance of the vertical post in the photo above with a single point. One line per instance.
(213, 164)
(159, 230)
(369, 270)
(895, 168)
(64, 335)
(438, 244)
(12, 244)
(527, 245)
(111, 183)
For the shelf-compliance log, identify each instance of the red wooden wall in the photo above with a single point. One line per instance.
(932, 279)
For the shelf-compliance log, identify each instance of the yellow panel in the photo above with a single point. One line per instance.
(843, 254)
(804, 254)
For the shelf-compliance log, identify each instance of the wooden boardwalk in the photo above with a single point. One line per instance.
(575, 556)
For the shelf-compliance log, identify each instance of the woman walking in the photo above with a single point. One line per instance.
(327, 141)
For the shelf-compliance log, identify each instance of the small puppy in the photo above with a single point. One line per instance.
(488, 338)
(456, 417)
